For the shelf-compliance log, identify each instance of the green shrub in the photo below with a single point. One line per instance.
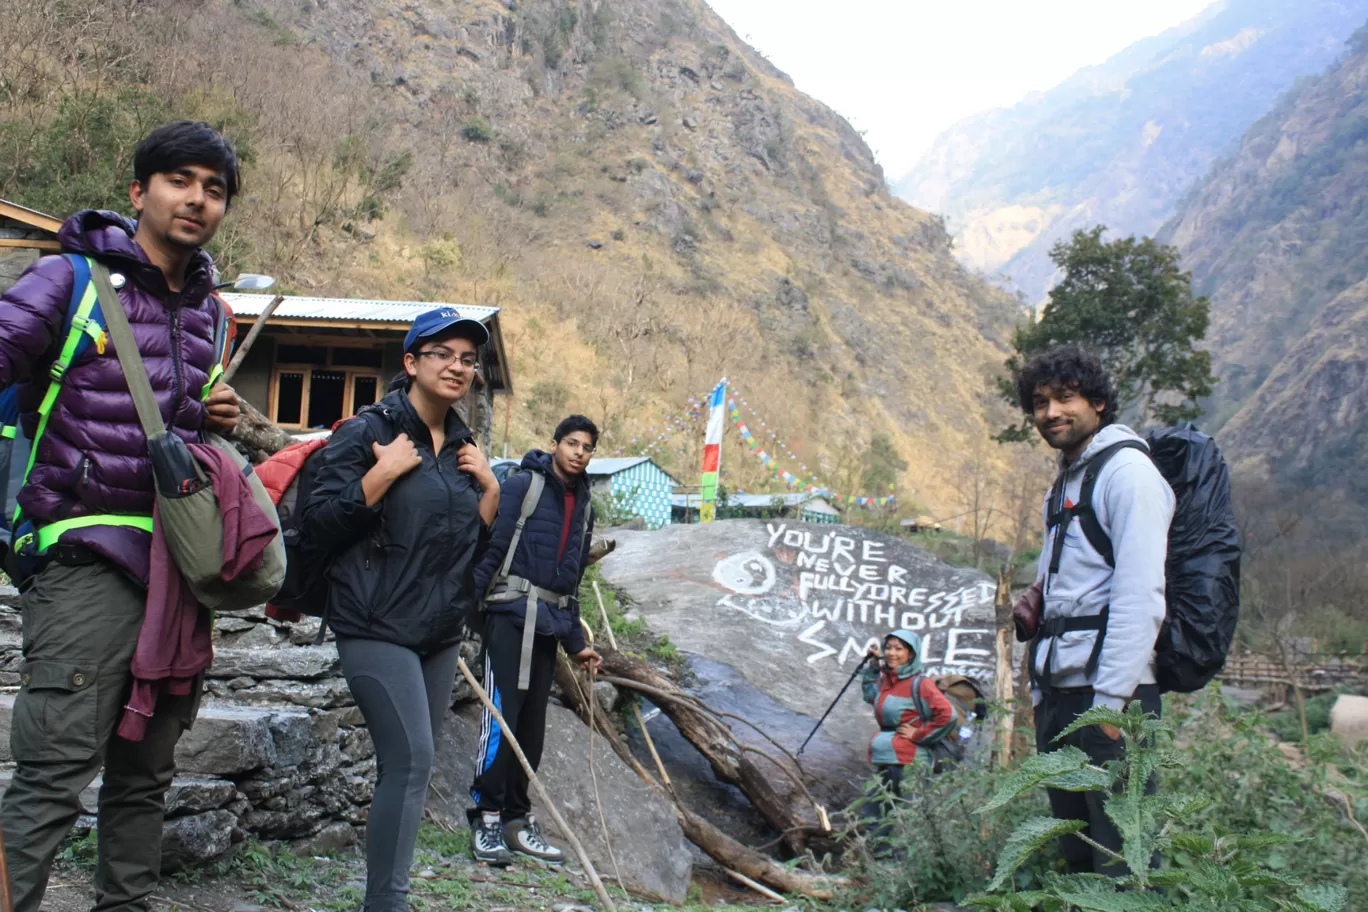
(935, 849)
(477, 129)
(1236, 827)
(1286, 723)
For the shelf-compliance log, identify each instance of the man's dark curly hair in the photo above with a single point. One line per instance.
(1068, 367)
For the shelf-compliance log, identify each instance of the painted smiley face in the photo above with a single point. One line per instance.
(746, 573)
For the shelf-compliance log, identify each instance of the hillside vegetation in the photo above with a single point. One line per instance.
(651, 202)
(1277, 236)
(1120, 143)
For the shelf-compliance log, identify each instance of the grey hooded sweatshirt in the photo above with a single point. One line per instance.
(1134, 505)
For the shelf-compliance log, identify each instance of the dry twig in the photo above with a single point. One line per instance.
(536, 784)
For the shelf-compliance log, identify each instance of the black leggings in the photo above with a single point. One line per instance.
(403, 695)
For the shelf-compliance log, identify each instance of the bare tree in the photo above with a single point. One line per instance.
(980, 493)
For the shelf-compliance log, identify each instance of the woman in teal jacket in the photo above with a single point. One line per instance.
(908, 706)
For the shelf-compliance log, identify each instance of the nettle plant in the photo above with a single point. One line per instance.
(1201, 870)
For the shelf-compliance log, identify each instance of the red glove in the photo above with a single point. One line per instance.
(1027, 611)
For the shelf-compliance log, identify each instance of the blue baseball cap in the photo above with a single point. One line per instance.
(441, 320)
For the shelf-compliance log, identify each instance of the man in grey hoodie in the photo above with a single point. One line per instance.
(1102, 571)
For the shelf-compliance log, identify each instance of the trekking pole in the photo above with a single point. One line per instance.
(835, 701)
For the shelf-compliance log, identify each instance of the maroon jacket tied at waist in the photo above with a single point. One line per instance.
(93, 456)
(175, 644)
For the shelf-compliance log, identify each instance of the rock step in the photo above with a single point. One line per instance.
(187, 795)
(224, 741)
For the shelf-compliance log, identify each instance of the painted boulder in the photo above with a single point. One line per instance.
(773, 617)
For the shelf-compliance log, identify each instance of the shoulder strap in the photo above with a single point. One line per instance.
(221, 327)
(135, 372)
(918, 700)
(1087, 516)
(535, 485)
(1060, 515)
(584, 526)
(82, 327)
(378, 417)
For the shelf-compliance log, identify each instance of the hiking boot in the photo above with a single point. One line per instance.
(528, 840)
(488, 843)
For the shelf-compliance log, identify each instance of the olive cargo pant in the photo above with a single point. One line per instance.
(81, 624)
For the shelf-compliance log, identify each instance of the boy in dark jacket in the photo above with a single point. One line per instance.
(89, 496)
(539, 574)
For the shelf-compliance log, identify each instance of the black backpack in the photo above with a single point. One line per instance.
(1202, 572)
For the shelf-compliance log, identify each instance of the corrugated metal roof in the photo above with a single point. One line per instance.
(299, 307)
(611, 465)
(813, 502)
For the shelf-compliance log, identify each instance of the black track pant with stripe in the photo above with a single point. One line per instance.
(500, 783)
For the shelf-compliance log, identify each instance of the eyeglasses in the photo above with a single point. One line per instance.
(586, 448)
(445, 357)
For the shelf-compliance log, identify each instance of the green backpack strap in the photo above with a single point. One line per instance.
(82, 328)
(220, 345)
(85, 326)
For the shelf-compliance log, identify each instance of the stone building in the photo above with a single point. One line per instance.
(25, 235)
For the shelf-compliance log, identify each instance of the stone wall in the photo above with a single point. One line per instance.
(280, 752)
(14, 260)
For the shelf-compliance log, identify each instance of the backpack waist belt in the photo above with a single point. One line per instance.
(513, 588)
(1054, 627)
(44, 537)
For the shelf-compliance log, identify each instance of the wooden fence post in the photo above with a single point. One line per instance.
(1004, 689)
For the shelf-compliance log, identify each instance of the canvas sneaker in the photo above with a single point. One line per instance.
(488, 841)
(528, 840)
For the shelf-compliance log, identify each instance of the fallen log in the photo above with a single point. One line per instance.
(731, 762)
(720, 847)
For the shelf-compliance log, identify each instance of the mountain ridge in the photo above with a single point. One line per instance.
(1120, 143)
(1277, 236)
(652, 204)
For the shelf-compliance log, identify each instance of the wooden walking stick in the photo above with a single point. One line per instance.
(636, 707)
(6, 902)
(532, 779)
(246, 344)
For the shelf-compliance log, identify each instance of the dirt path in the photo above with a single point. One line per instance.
(263, 878)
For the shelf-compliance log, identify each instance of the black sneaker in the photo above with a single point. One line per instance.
(528, 840)
(488, 843)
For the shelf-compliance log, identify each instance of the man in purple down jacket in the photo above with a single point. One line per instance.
(90, 495)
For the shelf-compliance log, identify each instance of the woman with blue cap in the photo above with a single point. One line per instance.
(404, 501)
(908, 706)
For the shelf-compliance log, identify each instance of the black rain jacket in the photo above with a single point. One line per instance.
(404, 569)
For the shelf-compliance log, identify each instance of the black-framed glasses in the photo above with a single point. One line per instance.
(445, 357)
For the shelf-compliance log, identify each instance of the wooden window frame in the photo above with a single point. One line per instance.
(350, 374)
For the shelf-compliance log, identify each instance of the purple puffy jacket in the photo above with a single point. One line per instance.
(93, 456)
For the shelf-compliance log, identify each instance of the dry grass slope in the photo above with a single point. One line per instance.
(653, 204)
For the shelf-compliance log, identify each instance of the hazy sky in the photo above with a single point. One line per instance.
(904, 70)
